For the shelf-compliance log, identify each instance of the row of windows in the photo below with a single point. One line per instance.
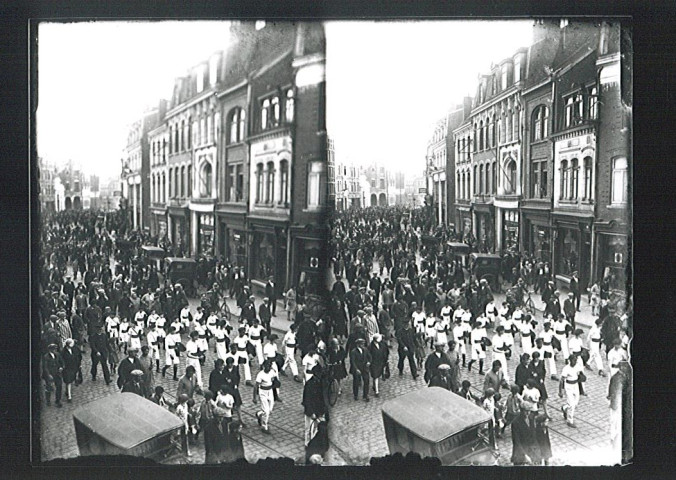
(179, 184)
(265, 183)
(580, 107)
(271, 110)
(569, 173)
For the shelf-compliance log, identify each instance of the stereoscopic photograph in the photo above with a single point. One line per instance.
(334, 241)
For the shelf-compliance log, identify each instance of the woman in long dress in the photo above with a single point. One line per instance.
(379, 355)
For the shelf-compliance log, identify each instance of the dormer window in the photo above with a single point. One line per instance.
(504, 77)
(200, 79)
(517, 70)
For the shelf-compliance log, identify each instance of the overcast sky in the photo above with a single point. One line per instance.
(388, 82)
(96, 78)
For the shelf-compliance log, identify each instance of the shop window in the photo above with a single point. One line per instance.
(568, 254)
(620, 184)
(205, 180)
(284, 182)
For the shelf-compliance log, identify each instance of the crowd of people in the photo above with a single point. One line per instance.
(392, 291)
(392, 284)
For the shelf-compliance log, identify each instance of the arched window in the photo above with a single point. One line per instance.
(457, 186)
(171, 136)
(476, 143)
(265, 113)
(284, 182)
(510, 177)
(482, 180)
(494, 176)
(620, 179)
(176, 182)
(182, 182)
(182, 136)
(164, 187)
(565, 183)
(569, 112)
(189, 180)
(476, 180)
(176, 150)
(290, 105)
(236, 121)
(491, 132)
(574, 168)
(188, 134)
(579, 108)
(508, 126)
(275, 111)
(259, 183)
(205, 180)
(270, 188)
(171, 177)
(588, 193)
(593, 104)
(481, 135)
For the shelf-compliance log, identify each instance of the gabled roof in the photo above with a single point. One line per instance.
(540, 55)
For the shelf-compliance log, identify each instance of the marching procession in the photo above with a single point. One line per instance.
(394, 290)
(397, 278)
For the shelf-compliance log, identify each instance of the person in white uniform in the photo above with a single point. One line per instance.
(547, 334)
(265, 381)
(241, 341)
(594, 342)
(172, 344)
(135, 333)
(561, 329)
(194, 354)
(461, 333)
(290, 345)
(616, 355)
(161, 323)
(478, 339)
(270, 354)
(569, 384)
(221, 339)
(500, 349)
(154, 340)
(124, 333)
(418, 319)
(256, 337)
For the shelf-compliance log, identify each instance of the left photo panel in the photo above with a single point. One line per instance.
(183, 175)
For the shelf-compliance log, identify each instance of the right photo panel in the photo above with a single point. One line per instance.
(479, 261)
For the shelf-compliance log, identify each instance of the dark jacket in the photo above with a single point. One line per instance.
(99, 344)
(444, 382)
(406, 338)
(313, 397)
(216, 379)
(125, 368)
(359, 361)
(379, 355)
(270, 292)
(432, 364)
(215, 440)
(52, 366)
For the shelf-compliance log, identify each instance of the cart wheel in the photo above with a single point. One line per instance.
(333, 392)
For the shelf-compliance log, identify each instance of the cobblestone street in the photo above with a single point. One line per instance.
(356, 428)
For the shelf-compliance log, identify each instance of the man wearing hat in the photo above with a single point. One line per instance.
(134, 384)
(371, 323)
(434, 359)
(248, 312)
(127, 365)
(353, 301)
(100, 353)
(271, 295)
(569, 309)
(360, 361)
(52, 371)
(69, 290)
(443, 378)
(265, 315)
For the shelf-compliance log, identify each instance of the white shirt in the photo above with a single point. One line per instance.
(467, 317)
(241, 342)
(309, 361)
(171, 340)
(289, 339)
(270, 350)
(255, 331)
(546, 337)
(498, 343)
(124, 327)
(575, 345)
(191, 349)
(615, 356)
(531, 397)
(161, 321)
(477, 334)
(569, 373)
(153, 338)
(459, 332)
(140, 316)
(446, 311)
(265, 379)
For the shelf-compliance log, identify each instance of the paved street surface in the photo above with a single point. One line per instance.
(356, 428)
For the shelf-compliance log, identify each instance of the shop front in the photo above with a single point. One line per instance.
(309, 260)
(179, 230)
(612, 260)
(572, 249)
(537, 234)
(232, 238)
(510, 230)
(158, 222)
(484, 224)
(267, 253)
(205, 233)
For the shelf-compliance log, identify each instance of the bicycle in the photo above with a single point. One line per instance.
(332, 387)
(529, 304)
